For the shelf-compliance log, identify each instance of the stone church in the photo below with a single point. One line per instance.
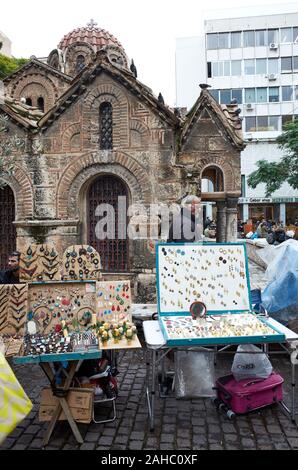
(92, 132)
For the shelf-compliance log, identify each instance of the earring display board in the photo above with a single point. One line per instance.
(217, 275)
(52, 303)
(81, 263)
(114, 301)
(40, 263)
(13, 309)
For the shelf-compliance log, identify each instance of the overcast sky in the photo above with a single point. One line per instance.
(147, 29)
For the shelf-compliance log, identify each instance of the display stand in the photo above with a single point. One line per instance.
(157, 349)
(216, 275)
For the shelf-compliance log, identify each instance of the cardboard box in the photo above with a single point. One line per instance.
(80, 402)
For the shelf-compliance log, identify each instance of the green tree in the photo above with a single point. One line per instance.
(274, 174)
(9, 65)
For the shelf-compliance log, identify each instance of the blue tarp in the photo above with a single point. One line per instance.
(280, 297)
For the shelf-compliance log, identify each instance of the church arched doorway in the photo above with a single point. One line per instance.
(106, 189)
(7, 229)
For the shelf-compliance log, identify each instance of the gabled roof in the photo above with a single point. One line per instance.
(226, 115)
(23, 115)
(119, 74)
(33, 62)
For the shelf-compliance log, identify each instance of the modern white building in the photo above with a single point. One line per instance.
(6, 45)
(255, 60)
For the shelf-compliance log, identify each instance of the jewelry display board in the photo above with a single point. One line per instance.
(51, 303)
(40, 263)
(215, 274)
(81, 263)
(13, 308)
(114, 301)
(218, 329)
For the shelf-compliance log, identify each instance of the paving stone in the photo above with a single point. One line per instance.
(293, 442)
(9, 442)
(91, 437)
(135, 445)
(19, 447)
(36, 444)
(32, 429)
(167, 437)
(248, 443)
(105, 440)
(88, 446)
(25, 439)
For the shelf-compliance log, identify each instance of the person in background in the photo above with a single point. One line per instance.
(12, 274)
(208, 221)
(186, 226)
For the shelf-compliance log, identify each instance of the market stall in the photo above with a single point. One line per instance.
(215, 276)
(62, 315)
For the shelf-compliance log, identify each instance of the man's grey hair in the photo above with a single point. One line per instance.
(190, 199)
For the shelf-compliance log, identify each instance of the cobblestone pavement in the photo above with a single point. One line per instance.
(179, 424)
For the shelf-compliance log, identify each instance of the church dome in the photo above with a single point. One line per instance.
(90, 34)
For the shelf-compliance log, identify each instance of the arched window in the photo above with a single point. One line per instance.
(40, 103)
(80, 63)
(7, 228)
(212, 180)
(29, 101)
(106, 126)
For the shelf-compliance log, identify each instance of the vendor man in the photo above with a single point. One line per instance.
(187, 225)
(12, 274)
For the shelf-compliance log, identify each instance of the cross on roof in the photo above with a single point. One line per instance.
(91, 24)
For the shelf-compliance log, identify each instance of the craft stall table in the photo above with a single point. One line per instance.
(217, 275)
(47, 364)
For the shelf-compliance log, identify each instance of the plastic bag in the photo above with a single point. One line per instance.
(250, 362)
(14, 403)
(194, 374)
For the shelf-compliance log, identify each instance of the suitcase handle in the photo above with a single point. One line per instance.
(252, 382)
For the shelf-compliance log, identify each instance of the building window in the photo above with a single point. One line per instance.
(273, 123)
(261, 95)
(29, 101)
(237, 94)
(243, 186)
(286, 118)
(286, 35)
(106, 126)
(261, 37)
(273, 94)
(223, 41)
(250, 95)
(272, 66)
(248, 38)
(286, 64)
(272, 36)
(287, 93)
(80, 63)
(227, 68)
(235, 39)
(209, 69)
(262, 123)
(261, 66)
(225, 96)
(295, 64)
(249, 67)
(295, 34)
(235, 67)
(40, 103)
(212, 41)
(215, 94)
(250, 124)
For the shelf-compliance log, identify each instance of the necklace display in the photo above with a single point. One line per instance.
(230, 325)
(114, 301)
(49, 304)
(214, 274)
(13, 308)
(40, 263)
(81, 263)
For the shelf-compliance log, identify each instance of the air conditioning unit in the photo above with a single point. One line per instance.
(273, 46)
(249, 106)
(272, 76)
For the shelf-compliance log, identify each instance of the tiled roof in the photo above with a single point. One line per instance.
(27, 116)
(94, 36)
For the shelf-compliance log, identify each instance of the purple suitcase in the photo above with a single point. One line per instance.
(249, 394)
